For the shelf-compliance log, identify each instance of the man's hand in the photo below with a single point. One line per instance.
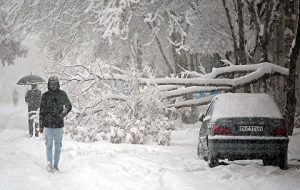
(41, 130)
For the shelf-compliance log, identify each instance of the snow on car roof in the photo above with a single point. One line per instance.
(231, 105)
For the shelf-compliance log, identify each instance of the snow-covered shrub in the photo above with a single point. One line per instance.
(119, 111)
(115, 135)
(135, 136)
(163, 137)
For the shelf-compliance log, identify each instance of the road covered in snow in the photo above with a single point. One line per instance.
(101, 165)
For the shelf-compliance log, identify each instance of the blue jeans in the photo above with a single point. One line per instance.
(53, 135)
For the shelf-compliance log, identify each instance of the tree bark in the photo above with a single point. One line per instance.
(265, 38)
(290, 107)
(235, 46)
(241, 32)
(243, 58)
(255, 19)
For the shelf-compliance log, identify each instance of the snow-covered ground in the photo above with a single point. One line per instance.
(103, 165)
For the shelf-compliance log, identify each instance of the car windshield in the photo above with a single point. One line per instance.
(245, 105)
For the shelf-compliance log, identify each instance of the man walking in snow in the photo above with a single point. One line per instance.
(55, 105)
(33, 99)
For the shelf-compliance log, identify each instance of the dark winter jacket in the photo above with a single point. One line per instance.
(55, 105)
(33, 98)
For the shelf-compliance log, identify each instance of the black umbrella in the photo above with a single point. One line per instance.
(31, 79)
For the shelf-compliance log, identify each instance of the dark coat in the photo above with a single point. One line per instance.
(33, 98)
(55, 105)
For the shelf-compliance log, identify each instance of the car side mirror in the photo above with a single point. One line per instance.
(201, 117)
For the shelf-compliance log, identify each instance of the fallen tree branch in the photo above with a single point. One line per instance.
(174, 87)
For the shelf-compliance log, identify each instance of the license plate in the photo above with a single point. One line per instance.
(251, 128)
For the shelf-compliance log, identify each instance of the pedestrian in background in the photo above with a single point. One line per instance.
(15, 97)
(33, 100)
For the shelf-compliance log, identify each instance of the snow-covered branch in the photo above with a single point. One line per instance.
(174, 87)
(254, 72)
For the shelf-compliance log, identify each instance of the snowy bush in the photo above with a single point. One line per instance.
(119, 112)
(135, 136)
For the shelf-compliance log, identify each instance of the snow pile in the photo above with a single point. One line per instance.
(245, 105)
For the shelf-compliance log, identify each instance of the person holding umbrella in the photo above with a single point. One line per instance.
(55, 105)
(33, 100)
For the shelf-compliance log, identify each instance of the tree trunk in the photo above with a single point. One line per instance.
(242, 53)
(290, 107)
(235, 46)
(251, 8)
(265, 38)
(180, 58)
(241, 32)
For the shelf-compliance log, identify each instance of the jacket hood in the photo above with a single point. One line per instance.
(53, 79)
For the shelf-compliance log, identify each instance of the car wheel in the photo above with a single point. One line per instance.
(282, 161)
(279, 160)
(212, 160)
(202, 150)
